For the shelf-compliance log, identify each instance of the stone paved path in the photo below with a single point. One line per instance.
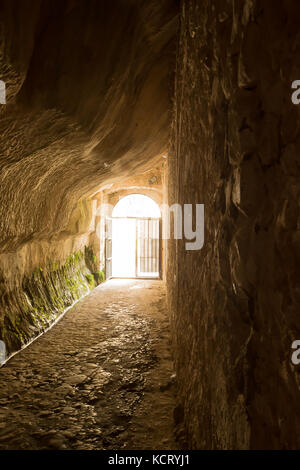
(101, 378)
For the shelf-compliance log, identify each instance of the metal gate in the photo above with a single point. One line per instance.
(145, 252)
(147, 247)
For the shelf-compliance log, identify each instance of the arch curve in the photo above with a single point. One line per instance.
(136, 205)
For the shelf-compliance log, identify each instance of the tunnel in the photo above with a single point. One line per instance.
(173, 324)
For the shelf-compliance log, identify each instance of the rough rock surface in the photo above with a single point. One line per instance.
(29, 307)
(93, 381)
(74, 118)
(88, 102)
(235, 148)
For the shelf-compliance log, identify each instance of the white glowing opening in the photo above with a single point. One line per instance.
(136, 205)
(124, 232)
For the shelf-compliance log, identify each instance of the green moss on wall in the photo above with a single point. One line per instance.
(43, 296)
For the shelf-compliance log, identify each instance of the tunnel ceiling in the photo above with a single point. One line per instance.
(88, 101)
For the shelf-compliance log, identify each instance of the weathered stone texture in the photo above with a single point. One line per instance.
(88, 103)
(31, 304)
(234, 147)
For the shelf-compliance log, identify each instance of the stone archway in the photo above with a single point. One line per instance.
(136, 245)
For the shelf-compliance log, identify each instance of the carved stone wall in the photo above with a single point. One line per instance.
(235, 147)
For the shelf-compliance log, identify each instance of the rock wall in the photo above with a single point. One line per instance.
(88, 103)
(235, 303)
(34, 302)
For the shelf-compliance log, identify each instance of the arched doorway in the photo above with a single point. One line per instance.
(136, 237)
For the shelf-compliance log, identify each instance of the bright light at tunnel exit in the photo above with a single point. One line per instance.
(127, 237)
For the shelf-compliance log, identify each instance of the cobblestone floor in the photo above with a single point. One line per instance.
(102, 378)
